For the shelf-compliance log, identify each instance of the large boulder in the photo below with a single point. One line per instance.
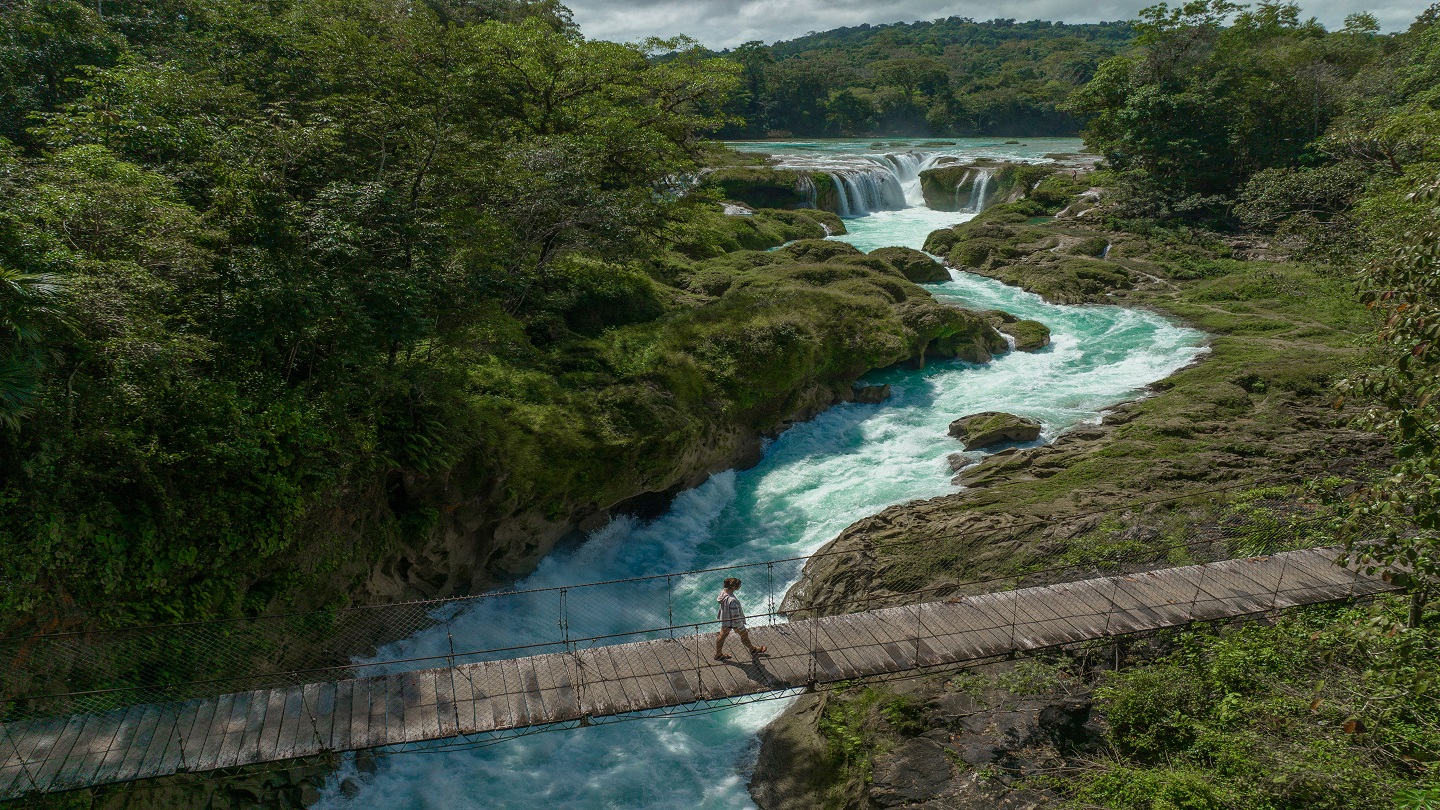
(1030, 336)
(820, 250)
(914, 264)
(988, 429)
(767, 187)
(951, 188)
(946, 332)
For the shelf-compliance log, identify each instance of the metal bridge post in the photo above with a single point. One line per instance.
(1199, 584)
(1014, 611)
(565, 619)
(1275, 595)
(670, 605)
(769, 593)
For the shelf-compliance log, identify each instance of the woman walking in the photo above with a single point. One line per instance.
(732, 617)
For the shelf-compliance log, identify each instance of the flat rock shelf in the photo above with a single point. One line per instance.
(273, 725)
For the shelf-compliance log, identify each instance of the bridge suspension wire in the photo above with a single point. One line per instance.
(113, 668)
(421, 707)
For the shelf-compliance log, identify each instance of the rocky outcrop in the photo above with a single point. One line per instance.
(766, 187)
(965, 742)
(944, 332)
(1030, 336)
(988, 429)
(976, 187)
(913, 264)
(871, 394)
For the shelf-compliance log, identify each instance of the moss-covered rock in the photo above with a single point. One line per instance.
(820, 250)
(764, 187)
(767, 187)
(944, 332)
(912, 263)
(1030, 336)
(949, 188)
(988, 429)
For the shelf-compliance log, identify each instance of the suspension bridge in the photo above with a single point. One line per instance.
(594, 678)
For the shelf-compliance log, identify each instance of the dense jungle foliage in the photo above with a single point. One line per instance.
(278, 281)
(949, 77)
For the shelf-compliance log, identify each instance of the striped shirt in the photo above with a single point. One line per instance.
(731, 615)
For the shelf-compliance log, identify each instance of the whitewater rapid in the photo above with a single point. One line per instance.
(814, 481)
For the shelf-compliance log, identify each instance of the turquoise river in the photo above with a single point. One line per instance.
(815, 480)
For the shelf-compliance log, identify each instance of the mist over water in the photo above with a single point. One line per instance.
(815, 480)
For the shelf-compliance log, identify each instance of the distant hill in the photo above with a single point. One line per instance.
(951, 77)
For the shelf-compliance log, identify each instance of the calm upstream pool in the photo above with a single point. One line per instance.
(814, 481)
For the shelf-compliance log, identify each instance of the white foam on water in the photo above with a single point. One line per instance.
(814, 480)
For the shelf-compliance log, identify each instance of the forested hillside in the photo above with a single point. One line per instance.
(310, 301)
(950, 77)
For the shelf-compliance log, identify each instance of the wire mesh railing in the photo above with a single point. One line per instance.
(440, 708)
(84, 672)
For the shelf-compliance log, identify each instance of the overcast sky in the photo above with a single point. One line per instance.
(726, 23)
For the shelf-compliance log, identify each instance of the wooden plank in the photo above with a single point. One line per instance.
(610, 674)
(864, 654)
(254, 735)
(394, 708)
(45, 770)
(340, 721)
(421, 705)
(292, 718)
(555, 674)
(215, 734)
(465, 702)
(90, 746)
(115, 751)
(837, 648)
(317, 719)
(673, 663)
(596, 697)
(514, 694)
(474, 680)
(235, 730)
(378, 700)
(447, 715)
(173, 760)
(154, 761)
(274, 720)
(134, 753)
(788, 661)
(195, 733)
(13, 782)
(530, 681)
(359, 732)
(499, 702)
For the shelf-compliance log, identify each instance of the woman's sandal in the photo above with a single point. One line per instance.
(758, 650)
(724, 657)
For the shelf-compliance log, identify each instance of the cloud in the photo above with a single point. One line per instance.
(727, 23)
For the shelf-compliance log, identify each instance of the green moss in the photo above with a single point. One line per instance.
(912, 263)
(1030, 336)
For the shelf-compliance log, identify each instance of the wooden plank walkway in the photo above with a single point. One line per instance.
(271, 725)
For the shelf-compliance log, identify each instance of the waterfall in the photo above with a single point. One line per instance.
(806, 186)
(843, 202)
(888, 182)
(867, 190)
(977, 192)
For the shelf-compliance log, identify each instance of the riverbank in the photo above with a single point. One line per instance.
(1256, 408)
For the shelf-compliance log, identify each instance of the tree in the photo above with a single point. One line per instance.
(29, 308)
(1399, 516)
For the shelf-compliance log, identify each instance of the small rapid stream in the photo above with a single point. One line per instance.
(814, 481)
